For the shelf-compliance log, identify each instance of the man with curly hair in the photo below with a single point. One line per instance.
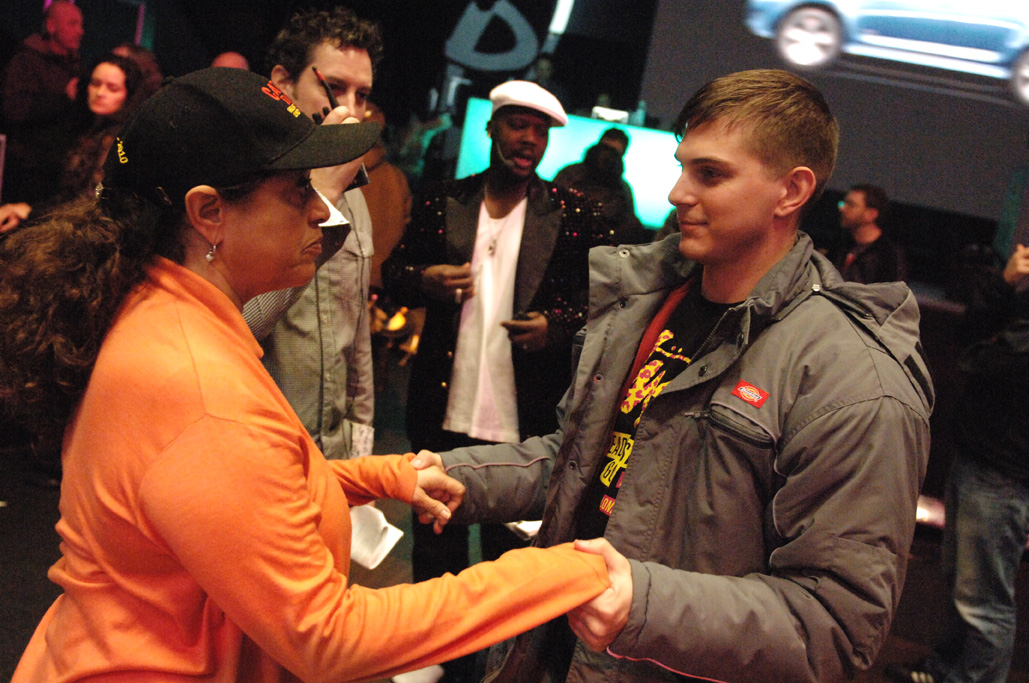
(316, 339)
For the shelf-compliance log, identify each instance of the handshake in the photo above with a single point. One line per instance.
(597, 622)
(437, 494)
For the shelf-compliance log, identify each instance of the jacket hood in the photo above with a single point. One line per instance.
(37, 42)
(804, 271)
(887, 312)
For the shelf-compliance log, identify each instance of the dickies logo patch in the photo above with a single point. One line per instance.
(750, 393)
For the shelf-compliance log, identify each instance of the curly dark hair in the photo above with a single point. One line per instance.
(62, 283)
(309, 28)
(148, 65)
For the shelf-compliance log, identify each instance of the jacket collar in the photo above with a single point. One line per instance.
(657, 267)
(886, 311)
(472, 190)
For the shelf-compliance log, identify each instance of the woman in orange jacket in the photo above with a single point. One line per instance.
(204, 535)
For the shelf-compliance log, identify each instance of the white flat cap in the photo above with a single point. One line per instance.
(530, 95)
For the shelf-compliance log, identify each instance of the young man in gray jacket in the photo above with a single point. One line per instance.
(747, 431)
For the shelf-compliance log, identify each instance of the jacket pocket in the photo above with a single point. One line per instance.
(726, 421)
(745, 451)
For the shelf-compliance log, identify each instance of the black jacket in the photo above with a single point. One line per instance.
(992, 415)
(881, 261)
(552, 277)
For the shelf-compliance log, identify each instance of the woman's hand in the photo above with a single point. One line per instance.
(11, 215)
(436, 495)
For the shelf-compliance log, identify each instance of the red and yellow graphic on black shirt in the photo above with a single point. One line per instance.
(665, 362)
(618, 455)
(648, 382)
(684, 329)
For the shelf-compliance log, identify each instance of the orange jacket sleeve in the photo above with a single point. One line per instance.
(244, 526)
(376, 476)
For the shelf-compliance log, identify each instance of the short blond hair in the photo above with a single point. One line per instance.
(787, 119)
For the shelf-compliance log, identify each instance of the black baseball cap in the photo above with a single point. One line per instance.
(221, 127)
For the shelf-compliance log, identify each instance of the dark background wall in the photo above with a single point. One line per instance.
(942, 144)
(930, 137)
(604, 48)
(901, 127)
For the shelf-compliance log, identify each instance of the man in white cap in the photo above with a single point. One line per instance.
(499, 259)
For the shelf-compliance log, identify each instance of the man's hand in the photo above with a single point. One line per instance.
(11, 215)
(426, 459)
(598, 622)
(530, 334)
(332, 181)
(436, 496)
(1018, 265)
(449, 283)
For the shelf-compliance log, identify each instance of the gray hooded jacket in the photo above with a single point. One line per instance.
(768, 538)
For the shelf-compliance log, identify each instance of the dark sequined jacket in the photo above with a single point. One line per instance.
(552, 277)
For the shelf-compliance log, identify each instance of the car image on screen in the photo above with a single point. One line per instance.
(984, 37)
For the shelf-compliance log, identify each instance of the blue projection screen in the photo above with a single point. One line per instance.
(650, 165)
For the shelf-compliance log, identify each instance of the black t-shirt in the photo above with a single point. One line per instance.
(686, 330)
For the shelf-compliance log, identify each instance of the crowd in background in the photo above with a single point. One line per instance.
(63, 117)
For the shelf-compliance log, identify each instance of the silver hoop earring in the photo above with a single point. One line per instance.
(209, 257)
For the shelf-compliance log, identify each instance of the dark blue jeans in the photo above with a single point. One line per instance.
(987, 524)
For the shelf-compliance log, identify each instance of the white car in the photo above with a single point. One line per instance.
(985, 37)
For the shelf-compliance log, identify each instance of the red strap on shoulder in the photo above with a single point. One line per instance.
(657, 324)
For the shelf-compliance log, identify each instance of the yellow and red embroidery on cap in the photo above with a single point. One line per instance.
(272, 91)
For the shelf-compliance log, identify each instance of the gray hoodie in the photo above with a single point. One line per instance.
(767, 531)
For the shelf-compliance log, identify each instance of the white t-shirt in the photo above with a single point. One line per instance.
(482, 402)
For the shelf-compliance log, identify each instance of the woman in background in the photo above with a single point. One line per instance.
(112, 91)
(204, 536)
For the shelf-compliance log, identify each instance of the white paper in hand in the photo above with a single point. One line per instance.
(373, 536)
(526, 529)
